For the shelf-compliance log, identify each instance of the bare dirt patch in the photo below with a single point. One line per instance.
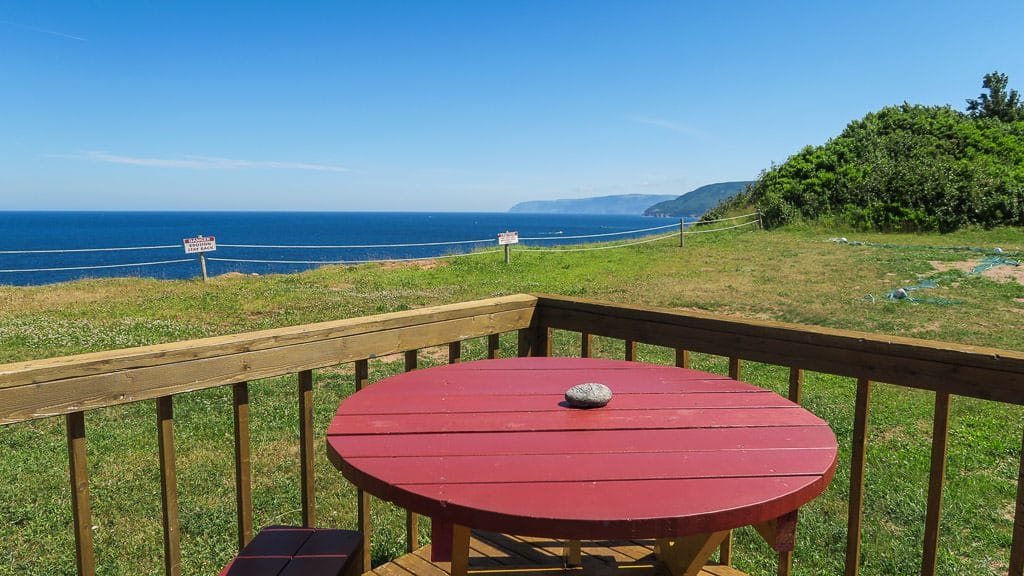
(420, 264)
(998, 274)
(933, 326)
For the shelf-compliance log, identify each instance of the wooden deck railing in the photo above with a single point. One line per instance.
(72, 385)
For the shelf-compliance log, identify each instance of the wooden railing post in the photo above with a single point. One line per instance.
(858, 458)
(936, 479)
(412, 519)
(734, 368)
(725, 550)
(682, 358)
(362, 380)
(493, 346)
(796, 384)
(1017, 546)
(243, 466)
(168, 485)
(455, 352)
(535, 341)
(80, 510)
(305, 385)
(586, 345)
(630, 351)
(527, 343)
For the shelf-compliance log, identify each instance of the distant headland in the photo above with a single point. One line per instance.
(691, 204)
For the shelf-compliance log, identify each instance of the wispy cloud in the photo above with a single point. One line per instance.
(44, 31)
(668, 125)
(200, 162)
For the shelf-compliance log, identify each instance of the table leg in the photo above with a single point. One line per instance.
(460, 550)
(440, 540)
(686, 556)
(572, 553)
(450, 543)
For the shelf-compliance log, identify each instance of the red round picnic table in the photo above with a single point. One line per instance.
(679, 455)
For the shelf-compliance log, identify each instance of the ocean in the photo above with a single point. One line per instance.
(68, 236)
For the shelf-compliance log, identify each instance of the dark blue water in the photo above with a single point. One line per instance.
(78, 230)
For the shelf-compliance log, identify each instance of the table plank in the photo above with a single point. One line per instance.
(582, 441)
(416, 402)
(571, 419)
(612, 509)
(509, 469)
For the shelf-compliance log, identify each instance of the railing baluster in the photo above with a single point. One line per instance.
(305, 381)
(534, 342)
(362, 380)
(936, 479)
(796, 384)
(630, 351)
(682, 358)
(858, 457)
(526, 342)
(80, 509)
(725, 550)
(1017, 547)
(168, 485)
(586, 345)
(412, 520)
(493, 346)
(455, 352)
(243, 463)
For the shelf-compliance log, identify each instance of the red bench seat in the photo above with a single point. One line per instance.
(292, 551)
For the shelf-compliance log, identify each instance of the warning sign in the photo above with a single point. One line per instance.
(506, 238)
(200, 244)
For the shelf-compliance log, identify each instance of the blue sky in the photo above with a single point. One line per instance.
(385, 105)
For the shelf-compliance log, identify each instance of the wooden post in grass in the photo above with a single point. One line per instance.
(507, 239)
(200, 245)
(682, 226)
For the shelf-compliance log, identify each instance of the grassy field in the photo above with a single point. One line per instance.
(793, 275)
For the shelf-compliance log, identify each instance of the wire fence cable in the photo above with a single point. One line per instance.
(68, 250)
(343, 262)
(721, 229)
(99, 267)
(603, 235)
(645, 241)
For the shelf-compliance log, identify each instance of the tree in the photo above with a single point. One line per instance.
(998, 103)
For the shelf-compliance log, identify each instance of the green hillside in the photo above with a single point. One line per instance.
(907, 168)
(698, 201)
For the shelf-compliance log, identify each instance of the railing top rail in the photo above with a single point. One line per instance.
(977, 371)
(41, 388)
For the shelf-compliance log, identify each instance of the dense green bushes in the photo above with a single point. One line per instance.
(903, 168)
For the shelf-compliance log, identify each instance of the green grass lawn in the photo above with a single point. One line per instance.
(793, 275)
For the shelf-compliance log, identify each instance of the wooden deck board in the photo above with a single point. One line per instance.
(502, 554)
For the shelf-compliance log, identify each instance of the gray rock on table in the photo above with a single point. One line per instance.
(588, 395)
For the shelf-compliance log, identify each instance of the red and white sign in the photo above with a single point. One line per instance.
(505, 238)
(200, 244)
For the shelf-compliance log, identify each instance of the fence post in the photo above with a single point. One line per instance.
(760, 222)
(508, 253)
(682, 226)
(202, 264)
